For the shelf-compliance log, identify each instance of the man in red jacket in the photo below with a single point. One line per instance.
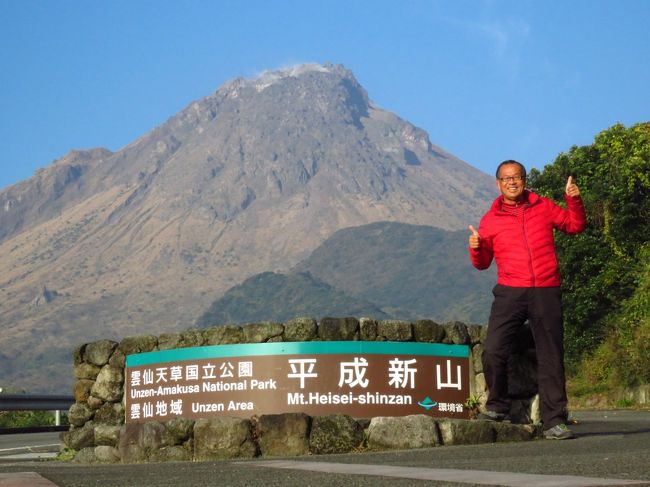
(517, 232)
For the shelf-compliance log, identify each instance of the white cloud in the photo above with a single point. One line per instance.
(504, 36)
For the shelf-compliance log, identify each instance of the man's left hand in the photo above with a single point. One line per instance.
(572, 188)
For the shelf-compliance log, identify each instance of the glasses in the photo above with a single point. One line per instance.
(509, 179)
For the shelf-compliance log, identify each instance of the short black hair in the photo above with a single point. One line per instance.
(511, 161)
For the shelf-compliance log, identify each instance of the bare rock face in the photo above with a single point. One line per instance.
(249, 179)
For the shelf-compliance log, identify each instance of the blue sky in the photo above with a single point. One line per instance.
(488, 80)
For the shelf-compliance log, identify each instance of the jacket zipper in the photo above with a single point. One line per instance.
(530, 256)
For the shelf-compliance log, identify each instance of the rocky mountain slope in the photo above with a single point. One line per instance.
(249, 179)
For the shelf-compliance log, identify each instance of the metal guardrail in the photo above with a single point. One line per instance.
(37, 402)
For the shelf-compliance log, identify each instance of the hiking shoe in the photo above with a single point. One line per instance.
(558, 432)
(488, 415)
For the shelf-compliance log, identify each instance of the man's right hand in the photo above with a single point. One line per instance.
(474, 238)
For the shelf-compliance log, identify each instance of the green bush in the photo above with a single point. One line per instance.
(606, 269)
(26, 419)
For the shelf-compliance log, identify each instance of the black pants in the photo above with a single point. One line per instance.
(542, 307)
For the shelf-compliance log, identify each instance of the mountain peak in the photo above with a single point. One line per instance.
(270, 77)
(306, 87)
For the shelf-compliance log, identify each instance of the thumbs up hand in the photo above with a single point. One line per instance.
(474, 238)
(571, 187)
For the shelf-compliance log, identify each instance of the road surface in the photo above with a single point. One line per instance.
(612, 448)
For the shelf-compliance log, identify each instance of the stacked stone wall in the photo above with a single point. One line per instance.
(98, 432)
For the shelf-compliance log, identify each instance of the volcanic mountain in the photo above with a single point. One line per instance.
(250, 179)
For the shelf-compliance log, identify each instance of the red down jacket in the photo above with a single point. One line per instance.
(523, 244)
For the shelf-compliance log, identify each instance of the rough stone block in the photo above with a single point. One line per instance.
(415, 431)
(335, 433)
(223, 335)
(171, 454)
(221, 438)
(514, 432)
(338, 329)
(81, 389)
(535, 410)
(107, 434)
(94, 403)
(79, 414)
(456, 333)
(110, 413)
(86, 371)
(261, 332)
(138, 344)
(117, 360)
(79, 438)
(180, 429)
(98, 353)
(129, 445)
(477, 333)
(466, 432)
(155, 436)
(78, 354)
(109, 384)
(477, 354)
(480, 386)
(138, 441)
(170, 341)
(106, 454)
(301, 329)
(283, 434)
(85, 455)
(193, 338)
(428, 331)
(395, 330)
(367, 329)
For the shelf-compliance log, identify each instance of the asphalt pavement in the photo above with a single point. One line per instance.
(612, 448)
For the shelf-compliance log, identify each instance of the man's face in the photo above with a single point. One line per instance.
(511, 183)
